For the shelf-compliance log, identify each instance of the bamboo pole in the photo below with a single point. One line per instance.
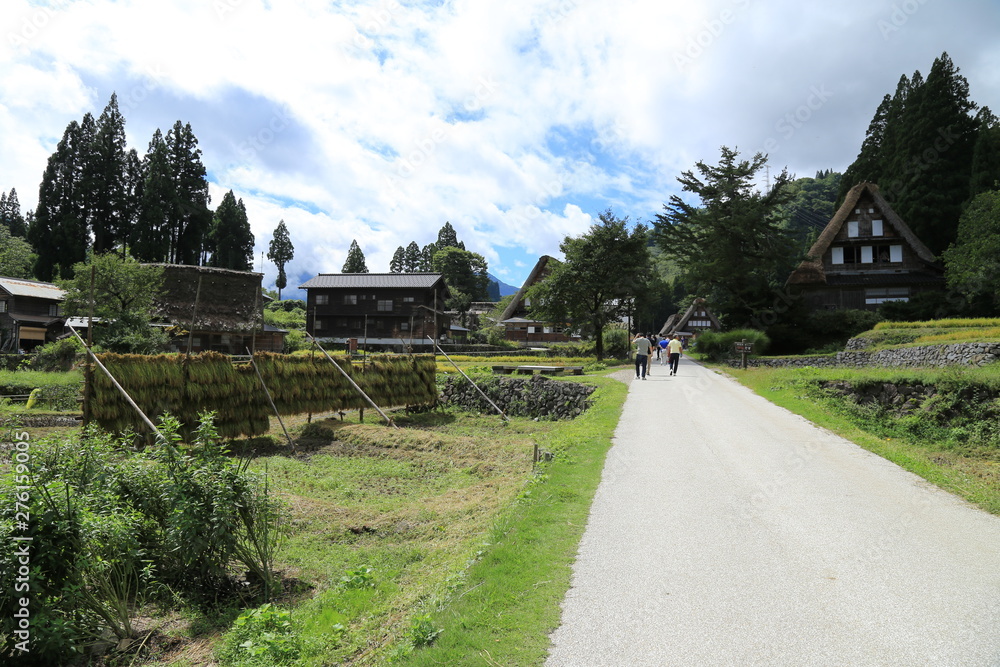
(438, 347)
(124, 393)
(270, 400)
(351, 380)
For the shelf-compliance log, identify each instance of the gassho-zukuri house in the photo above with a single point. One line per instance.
(866, 255)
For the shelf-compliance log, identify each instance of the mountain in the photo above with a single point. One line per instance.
(498, 288)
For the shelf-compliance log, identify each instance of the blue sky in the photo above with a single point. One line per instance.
(516, 121)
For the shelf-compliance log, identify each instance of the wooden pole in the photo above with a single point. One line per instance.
(88, 370)
(505, 417)
(124, 393)
(270, 400)
(194, 314)
(351, 380)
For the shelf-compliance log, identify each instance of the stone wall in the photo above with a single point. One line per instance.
(538, 396)
(967, 354)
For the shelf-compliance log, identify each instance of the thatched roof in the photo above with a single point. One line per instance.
(811, 269)
(227, 300)
(676, 324)
(536, 274)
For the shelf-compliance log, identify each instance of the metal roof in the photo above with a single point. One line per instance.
(32, 288)
(369, 280)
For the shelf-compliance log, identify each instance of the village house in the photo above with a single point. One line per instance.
(518, 324)
(865, 256)
(30, 314)
(696, 319)
(380, 308)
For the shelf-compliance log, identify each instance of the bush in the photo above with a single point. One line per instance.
(617, 343)
(60, 355)
(719, 346)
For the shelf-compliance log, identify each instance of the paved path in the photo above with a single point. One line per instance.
(728, 531)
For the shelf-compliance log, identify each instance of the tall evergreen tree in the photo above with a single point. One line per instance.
(150, 236)
(733, 247)
(412, 258)
(231, 239)
(985, 155)
(189, 217)
(427, 258)
(464, 271)
(107, 181)
(867, 166)
(280, 251)
(448, 238)
(58, 233)
(398, 261)
(355, 262)
(10, 214)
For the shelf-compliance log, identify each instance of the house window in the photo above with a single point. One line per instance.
(54, 310)
(350, 299)
(866, 254)
(385, 305)
(852, 229)
(317, 325)
(879, 295)
(3, 306)
(876, 228)
(895, 253)
(848, 255)
(341, 323)
(404, 326)
(531, 329)
(408, 299)
(322, 299)
(838, 255)
(871, 210)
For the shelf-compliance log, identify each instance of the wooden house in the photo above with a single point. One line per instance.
(30, 314)
(696, 319)
(517, 322)
(214, 309)
(866, 255)
(381, 308)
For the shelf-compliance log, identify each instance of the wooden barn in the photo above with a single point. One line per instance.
(866, 255)
(30, 314)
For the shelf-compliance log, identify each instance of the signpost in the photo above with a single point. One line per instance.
(744, 347)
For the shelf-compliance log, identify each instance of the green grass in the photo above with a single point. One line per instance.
(19, 380)
(932, 451)
(463, 547)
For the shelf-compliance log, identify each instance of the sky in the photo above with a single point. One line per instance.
(517, 121)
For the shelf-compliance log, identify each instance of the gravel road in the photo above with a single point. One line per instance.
(728, 531)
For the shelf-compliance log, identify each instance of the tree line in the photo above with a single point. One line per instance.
(97, 195)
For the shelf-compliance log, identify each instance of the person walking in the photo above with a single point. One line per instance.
(661, 352)
(642, 348)
(675, 349)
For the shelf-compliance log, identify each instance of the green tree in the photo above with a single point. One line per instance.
(16, 258)
(280, 251)
(10, 214)
(355, 262)
(123, 298)
(603, 273)
(398, 261)
(448, 238)
(150, 236)
(231, 241)
(107, 178)
(426, 263)
(972, 265)
(985, 155)
(733, 248)
(412, 258)
(189, 219)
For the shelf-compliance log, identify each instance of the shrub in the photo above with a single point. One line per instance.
(718, 346)
(616, 343)
(263, 636)
(60, 355)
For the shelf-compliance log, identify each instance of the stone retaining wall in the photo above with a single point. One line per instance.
(537, 396)
(967, 354)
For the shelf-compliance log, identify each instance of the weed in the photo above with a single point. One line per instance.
(422, 631)
(263, 637)
(361, 577)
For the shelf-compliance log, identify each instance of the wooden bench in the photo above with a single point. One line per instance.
(544, 370)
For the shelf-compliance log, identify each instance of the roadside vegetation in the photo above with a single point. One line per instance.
(440, 542)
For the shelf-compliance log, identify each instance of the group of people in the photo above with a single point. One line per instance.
(668, 351)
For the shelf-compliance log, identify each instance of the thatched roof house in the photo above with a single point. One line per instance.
(697, 318)
(222, 308)
(517, 322)
(866, 255)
